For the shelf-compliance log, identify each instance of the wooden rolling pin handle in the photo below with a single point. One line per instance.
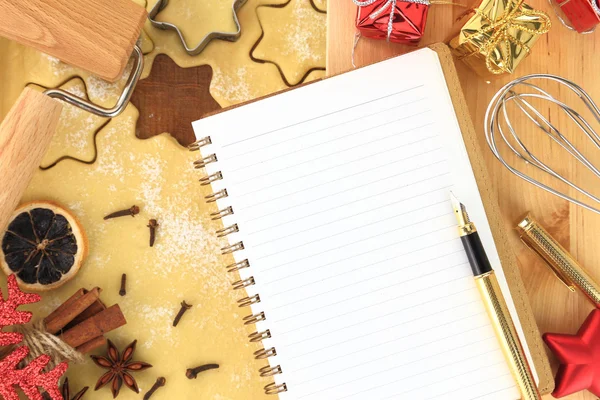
(25, 135)
(95, 35)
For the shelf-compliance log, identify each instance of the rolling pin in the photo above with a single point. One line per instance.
(98, 36)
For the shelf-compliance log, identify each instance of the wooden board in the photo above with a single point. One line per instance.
(561, 52)
(95, 35)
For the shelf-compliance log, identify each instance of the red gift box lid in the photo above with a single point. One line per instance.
(408, 24)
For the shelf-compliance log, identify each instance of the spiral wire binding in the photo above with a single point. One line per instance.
(256, 337)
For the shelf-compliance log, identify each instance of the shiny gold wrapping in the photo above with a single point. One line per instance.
(499, 35)
(507, 335)
(566, 268)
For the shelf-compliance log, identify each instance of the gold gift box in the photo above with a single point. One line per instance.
(499, 36)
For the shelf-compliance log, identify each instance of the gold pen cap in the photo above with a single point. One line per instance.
(564, 266)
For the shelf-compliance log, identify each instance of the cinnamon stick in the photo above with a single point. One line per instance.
(91, 345)
(91, 328)
(65, 305)
(71, 311)
(96, 308)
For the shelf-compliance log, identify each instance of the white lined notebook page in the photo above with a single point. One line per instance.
(340, 191)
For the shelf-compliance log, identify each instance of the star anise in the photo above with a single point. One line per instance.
(66, 392)
(119, 367)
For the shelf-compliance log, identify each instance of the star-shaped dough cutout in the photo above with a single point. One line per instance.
(294, 40)
(75, 136)
(319, 5)
(579, 357)
(170, 98)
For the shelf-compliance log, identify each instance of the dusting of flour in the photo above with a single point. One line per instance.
(234, 87)
(304, 33)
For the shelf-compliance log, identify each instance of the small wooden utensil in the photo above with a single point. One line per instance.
(96, 35)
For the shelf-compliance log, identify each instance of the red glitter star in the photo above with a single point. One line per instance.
(579, 356)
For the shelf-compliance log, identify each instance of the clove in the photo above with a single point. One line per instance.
(192, 373)
(184, 307)
(123, 290)
(152, 224)
(160, 382)
(133, 211)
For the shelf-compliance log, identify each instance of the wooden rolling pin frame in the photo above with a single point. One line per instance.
(98, 36)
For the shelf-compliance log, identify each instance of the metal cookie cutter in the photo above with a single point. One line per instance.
(123, 98)
(229, 36)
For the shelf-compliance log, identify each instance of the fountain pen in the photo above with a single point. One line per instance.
(495, 305)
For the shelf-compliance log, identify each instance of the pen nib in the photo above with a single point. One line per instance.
(459, 211)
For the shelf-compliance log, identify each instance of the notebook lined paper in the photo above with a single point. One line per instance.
(340, 192)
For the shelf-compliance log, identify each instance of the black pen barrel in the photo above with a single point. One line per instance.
(476, 254)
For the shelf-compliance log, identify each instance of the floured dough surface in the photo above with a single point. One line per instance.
(184, 264)
(157, 175)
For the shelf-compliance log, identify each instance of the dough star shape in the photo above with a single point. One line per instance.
(294, 40)
(319, 5)
(172, 97)
(75, 137)
(579, 357)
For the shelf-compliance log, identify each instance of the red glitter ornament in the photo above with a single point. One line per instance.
(9, 314)
(30, 377)
(579, 356)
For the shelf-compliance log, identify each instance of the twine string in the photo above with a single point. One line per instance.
(42, 342)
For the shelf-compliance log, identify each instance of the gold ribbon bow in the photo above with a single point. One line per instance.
(516, 16)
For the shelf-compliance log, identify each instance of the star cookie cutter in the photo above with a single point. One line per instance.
(123, 100)
(229, 36)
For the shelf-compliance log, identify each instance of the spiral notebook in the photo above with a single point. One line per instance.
(334, 198)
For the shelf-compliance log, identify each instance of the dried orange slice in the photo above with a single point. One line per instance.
(44, 246)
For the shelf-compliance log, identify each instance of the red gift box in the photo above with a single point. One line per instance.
(583, 14)
(408, 20)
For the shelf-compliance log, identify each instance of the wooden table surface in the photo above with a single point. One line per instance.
(562, 52)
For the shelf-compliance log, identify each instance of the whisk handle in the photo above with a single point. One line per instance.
(25, 135)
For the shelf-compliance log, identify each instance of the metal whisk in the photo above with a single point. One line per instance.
(499, 127)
